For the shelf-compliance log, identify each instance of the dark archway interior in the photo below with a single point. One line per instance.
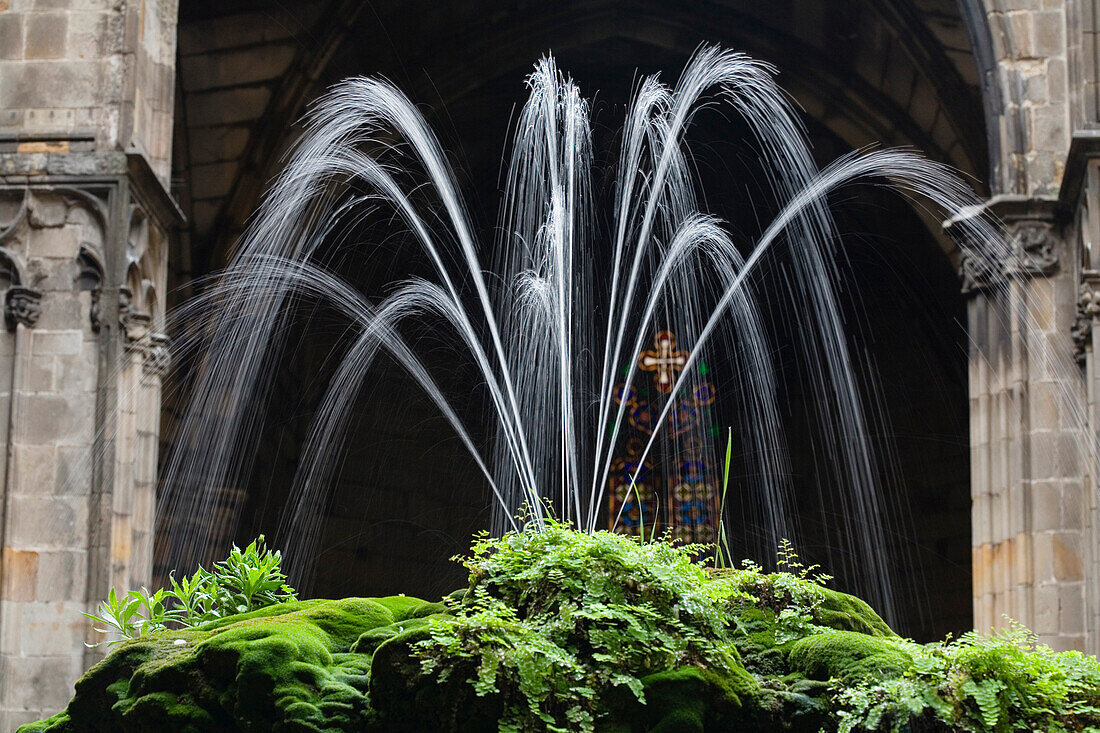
(407, 496)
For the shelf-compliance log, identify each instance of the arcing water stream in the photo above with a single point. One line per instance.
(551, 328)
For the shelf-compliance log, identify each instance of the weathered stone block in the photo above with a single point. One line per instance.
(1072, 608)
(20, 581)
(45, 35)
(47, 210)
(1049, 33)
(48, 523)
(49, 119)
(74, 470)
(51, 343)
(1019, 31)
(12, 719)
(1042, 546)
(89, 36)
(1067, 548)
(1046, 505)
(39, 377)
(1075, 502)
(1047, 610)
(53, 628)
(53, 84)
(1057, 84)
(1048, 129)
(35, 467)
(11, 36)
(10, 636)
(61, 577)
(39, 681)
(78, 372)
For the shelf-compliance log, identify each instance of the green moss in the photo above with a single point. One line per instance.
(560, 631)
(849, 656)
(60, 723)
(286, 667)
(407, 607)
(843, 612)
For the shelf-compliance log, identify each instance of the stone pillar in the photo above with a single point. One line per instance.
(1032, 468)
(1082, 196)
(85, 219)
(1029, 472)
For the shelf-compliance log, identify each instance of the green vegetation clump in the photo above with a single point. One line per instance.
(283, 667)
(247, 580)
(1003, 682)
(564, 631)
(563, 627)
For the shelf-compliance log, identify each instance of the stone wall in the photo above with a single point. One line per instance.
(86, 90)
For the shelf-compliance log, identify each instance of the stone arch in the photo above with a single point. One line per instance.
(985, 58)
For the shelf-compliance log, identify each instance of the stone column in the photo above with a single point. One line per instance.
(1029, 475)
(85, 219)
(1082, 195)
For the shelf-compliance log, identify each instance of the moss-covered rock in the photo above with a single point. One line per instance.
(284, 667)
(849, 656)
(844, 612)
(560, 631)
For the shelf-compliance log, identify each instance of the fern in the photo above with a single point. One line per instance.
(1005, 681)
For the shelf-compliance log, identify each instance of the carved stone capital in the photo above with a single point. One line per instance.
(22, 305)
(1035, 247)
(135, 324)
(1088, 311)
(158, 355)
(1031, 247)
(977, 273)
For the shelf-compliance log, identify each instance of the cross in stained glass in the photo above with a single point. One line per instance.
(663, 360)
(675, 489)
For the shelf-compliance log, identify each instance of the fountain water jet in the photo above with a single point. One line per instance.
(548, 341)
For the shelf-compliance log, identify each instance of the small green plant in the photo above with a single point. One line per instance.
(773, 608)
(247, 580)
(724, 560)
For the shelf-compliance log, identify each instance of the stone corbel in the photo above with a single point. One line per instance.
(22, 306)
(1034, 247)
(158, 355)
(135, 324)
(90, 278)
(1088, 311)
(977, 273)
(1032, 231)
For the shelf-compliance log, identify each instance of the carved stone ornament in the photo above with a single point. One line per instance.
(1088, 310)
(1035, 247)
(22, 305)
(135, 324)
(94, 312)
(158, 355)
(978, 273)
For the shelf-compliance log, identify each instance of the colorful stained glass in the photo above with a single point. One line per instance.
(674, 490)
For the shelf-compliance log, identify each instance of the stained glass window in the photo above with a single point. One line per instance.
(676, 489)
